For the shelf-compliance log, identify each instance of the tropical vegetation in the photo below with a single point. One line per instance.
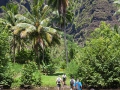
(34, 45)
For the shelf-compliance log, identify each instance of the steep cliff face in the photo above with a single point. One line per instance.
(91, 13)
(102, 11)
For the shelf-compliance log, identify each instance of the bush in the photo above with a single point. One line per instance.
(24, 55)
(5, 69)
(72, 69)
(48, 69)
(30, 74)
(7, 76)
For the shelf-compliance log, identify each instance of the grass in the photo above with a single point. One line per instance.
(50, 80)
(47, 80)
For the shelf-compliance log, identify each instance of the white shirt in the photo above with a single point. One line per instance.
(63, 76)
(58, 79)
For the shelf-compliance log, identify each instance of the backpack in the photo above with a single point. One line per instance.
(58, 80)
(76, 86)
(71, 82)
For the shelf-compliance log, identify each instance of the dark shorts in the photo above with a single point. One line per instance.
(58, 85)
(71, 86)
(64, 79)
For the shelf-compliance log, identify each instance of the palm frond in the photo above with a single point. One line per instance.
(53, 3)
(3, 21)
(4, 8)
(20, 18)
(48, 38)
(56, 40)
(39, 28)
(45, 11)
(16, 30)
(31, 29)
(50, 30)
(23, 34)
(23, 26)
(45, 22)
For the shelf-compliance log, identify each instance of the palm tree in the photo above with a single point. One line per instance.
(8, 21)
(61, 6)
(34, 25)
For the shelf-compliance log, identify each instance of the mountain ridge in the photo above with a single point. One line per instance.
(91, 13)
(88, 17)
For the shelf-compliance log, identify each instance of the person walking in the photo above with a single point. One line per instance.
(58, 82)
(78, 85)
(64, 79)
(72, 81)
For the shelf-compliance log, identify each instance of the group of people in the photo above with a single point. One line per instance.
(74, 84)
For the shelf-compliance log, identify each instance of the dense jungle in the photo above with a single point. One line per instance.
(42, 39)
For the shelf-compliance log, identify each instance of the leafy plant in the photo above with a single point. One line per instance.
(72, 69)
(48, 69)
(101, 56)
(24, 55)
(29, 76)
(5, 68)
(7, 76)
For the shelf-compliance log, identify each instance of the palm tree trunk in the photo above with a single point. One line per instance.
(65, 43)
(14, 48)
(38, 58)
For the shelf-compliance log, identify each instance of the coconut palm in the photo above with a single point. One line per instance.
(34, 25)
(8, 21)
(64, 15)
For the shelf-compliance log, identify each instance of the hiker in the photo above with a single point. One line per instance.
(72, 81)
(58, 82)
(64, 79)
(78, 85)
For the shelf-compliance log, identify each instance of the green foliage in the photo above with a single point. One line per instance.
(7, 75)
(72, 69)
(4, 47)
(5, 70)
(99, 60)
(30, 75)
(63, 65)
(24, 55)
(48, 69)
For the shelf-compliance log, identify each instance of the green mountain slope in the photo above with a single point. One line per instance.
(89, 15)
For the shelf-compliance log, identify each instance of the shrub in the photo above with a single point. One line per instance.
(48, 69)
(7, 76)
(30, 74)
(5, 69)
(24, 55)
(72, 69)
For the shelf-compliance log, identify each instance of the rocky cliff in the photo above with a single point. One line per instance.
(91, 13)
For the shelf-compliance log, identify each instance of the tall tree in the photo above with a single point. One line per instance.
(8, 21)
(34, 25)
(61, 6)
